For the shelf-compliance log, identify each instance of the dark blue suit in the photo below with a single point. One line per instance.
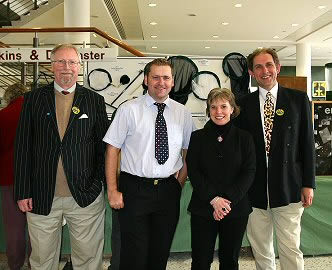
(291, 159)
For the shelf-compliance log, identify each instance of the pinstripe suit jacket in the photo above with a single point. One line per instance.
(38, 147)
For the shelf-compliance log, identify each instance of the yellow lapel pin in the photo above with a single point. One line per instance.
(75, 110)
(280, 112)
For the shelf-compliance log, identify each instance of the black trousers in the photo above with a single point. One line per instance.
(204, 232)
(147, 221)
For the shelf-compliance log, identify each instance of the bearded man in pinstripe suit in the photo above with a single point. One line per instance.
(59, 171)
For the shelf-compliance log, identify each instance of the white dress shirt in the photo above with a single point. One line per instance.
(133, 131)
(60, 89)
(262, 98)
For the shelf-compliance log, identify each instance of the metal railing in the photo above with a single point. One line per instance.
(12, 10)
(95, 30)
(23, 72)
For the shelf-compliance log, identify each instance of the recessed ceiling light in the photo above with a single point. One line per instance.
(153, 36)
(153, 23)
(152, 5)
(276, 37)
(207, 47)
(321, 7)
(295, 24)
(215, 36)
(225, 23)
(154, 47)
(238, 5)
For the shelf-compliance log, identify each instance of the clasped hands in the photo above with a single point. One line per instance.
(221, 207)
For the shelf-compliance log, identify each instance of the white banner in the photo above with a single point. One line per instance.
(43, 54)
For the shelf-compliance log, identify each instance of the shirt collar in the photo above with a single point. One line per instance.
(150, 101)
(273, 91)
(60, 89)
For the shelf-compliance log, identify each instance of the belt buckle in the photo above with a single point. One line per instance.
(155, 182)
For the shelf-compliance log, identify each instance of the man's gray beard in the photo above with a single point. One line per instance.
(66, 81)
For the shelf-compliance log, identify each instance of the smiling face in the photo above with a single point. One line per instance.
(265, 71)
(159, 82)
(65, 73)
(220, 111)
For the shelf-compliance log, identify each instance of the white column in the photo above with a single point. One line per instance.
(328, 76)
(303, 64)
(77, 14)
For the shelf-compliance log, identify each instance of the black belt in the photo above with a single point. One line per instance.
(153, 181)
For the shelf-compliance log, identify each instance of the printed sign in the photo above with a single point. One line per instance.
(319, 88)
(44, 54)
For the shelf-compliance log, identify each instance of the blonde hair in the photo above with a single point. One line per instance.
(222, 93)
(65, 46)
(14, 91)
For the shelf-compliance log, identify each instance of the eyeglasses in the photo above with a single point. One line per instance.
(63, 62)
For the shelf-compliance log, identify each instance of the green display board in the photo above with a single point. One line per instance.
(316, 236)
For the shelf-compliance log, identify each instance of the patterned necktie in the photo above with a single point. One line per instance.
(161, 140)
(268, 120)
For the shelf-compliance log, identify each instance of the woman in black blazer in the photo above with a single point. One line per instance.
(221, 168)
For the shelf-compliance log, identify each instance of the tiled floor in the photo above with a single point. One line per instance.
(181, 261)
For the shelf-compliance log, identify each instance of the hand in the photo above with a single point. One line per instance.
(180, 183)
(25, 205)
(115, 199)
(218, 215)
(307, 196)
(221, 205)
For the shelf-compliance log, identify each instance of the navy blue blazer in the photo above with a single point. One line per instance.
(292, 159)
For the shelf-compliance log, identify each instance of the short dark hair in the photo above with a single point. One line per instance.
(251, 57)
(222, 93)
(157, 62)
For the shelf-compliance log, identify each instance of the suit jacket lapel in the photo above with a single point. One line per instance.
(78, 97)
(256, 126)
(49, 97)
(280, 115)
(255, 114)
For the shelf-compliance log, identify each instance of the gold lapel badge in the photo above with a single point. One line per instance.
(75, 110)
(280, 112)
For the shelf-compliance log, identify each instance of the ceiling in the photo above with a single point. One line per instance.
(187, 27)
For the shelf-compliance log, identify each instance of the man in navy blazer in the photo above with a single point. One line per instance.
(59, 166)
(285, 163)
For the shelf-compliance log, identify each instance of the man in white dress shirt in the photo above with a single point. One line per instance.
(279, 119)
(150, 184)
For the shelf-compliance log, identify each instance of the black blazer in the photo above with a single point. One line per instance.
(228, 172)
(292, 159)
(38, 148)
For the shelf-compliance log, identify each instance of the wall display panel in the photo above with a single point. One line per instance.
(105, 79)
(322, 119)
